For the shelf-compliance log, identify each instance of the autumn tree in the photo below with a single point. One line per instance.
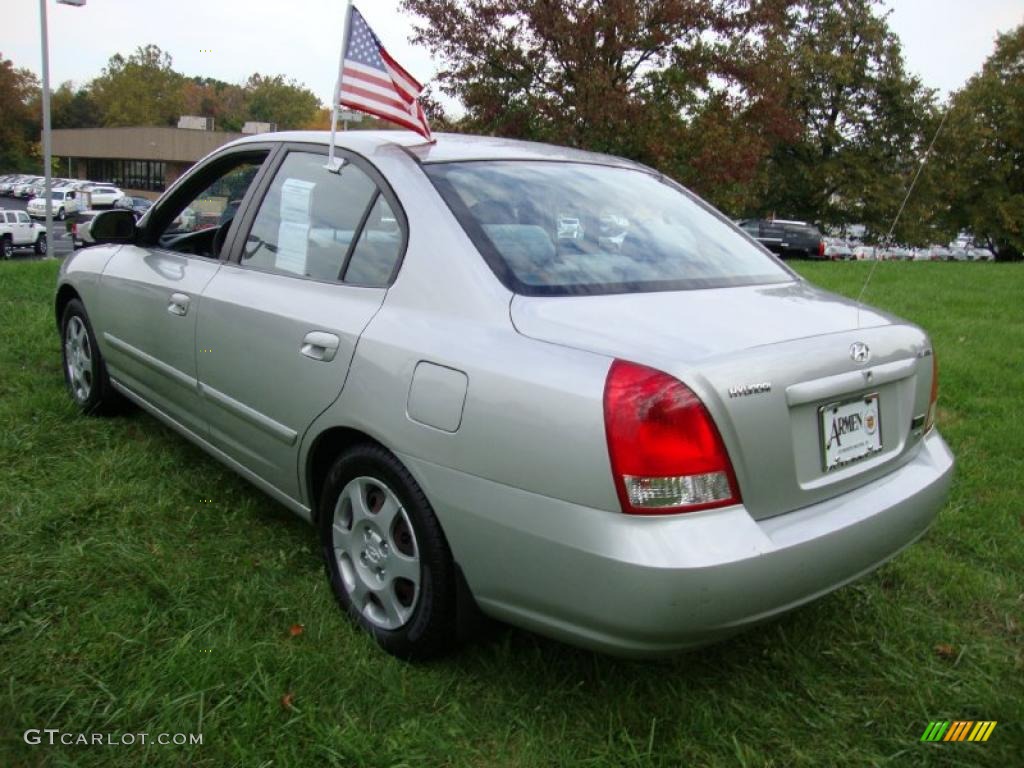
(982, 151)
(142, 89)
(276, 99)
(209, 97)
(19, 127)
(616, 76)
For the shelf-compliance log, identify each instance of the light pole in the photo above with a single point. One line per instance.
(47, 147)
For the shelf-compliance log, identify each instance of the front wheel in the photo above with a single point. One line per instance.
(85, 372)
(40, 245)
(386, 556)
(60, 214)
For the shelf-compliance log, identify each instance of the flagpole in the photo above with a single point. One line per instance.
(332, 165)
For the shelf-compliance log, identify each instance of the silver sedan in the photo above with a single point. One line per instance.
(637, 444)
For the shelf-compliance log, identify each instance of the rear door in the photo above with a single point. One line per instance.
(25, 234)
(279, 323)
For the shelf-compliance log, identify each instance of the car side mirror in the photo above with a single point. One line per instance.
(113, 227)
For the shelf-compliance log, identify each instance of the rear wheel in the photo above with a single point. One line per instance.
(387, 559)
(84, 370)
(60, 214)
(40, 245)
(6, 247)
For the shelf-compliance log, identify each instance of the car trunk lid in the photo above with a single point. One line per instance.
(766, 361)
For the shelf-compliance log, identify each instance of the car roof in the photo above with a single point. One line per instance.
(448, 147)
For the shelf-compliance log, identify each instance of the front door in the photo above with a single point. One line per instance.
(150, 293)
(278, 325)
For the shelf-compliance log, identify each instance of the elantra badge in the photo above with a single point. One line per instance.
(859, 352)
(750, 389)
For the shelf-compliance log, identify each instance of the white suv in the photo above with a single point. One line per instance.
(103, 194)
(17, 230)
(65, 202)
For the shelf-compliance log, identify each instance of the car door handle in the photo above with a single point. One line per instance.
(178, 304)
(320, 345)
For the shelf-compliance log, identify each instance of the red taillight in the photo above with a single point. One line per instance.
(666, 453)
(821, 249)
(933, 398)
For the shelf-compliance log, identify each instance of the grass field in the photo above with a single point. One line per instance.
(143, 588)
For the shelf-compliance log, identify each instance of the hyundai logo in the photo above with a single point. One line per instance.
(859, 352)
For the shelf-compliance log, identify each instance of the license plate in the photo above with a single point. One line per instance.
(850, 430)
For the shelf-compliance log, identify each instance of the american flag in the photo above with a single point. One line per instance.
(373, 82)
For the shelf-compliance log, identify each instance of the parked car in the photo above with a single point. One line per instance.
(636, 450)
(63, 204)
(80, 235)
(7, 182)
(957, 253)
(896, 252)
(939, 253)
(24, 188)
(137, 204)
(103, 195)
(786, 237)
(980, 254)
(865, 253)
(837, 249)
(17, 230)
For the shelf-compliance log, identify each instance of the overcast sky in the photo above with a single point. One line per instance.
(944, 41)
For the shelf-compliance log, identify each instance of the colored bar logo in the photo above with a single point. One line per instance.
(958, 730)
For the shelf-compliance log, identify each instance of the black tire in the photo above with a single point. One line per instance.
(100, 397)
(430, 630)
(60, 214)
(40, 245)
(6, 247)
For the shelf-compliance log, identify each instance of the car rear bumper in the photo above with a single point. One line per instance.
(647, 586)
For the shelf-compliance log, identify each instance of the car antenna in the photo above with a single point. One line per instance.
(910, 189)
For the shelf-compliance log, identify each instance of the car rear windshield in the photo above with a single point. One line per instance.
(562, 228)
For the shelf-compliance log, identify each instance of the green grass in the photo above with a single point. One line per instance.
(130, 604)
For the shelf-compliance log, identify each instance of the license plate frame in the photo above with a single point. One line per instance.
(868, 408)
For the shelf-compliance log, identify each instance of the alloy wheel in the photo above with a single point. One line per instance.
(78, 358)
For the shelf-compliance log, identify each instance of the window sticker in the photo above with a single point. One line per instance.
(293, 231)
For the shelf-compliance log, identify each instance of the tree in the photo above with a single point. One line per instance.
(982, 150)
(273, 99)
(19, 127)
(209, 97)
(616, 76)
(864, 121)
(143, 89)
(72, 107)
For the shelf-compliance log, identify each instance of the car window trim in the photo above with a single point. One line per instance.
(357, 235)
(362, 163)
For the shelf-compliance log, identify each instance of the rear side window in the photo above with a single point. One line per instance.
(558, 228)
(377, 250)
(324, 225)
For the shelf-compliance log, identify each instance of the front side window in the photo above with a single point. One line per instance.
(309, 222)
(198, 218)
(24, 219)
(557, 228)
